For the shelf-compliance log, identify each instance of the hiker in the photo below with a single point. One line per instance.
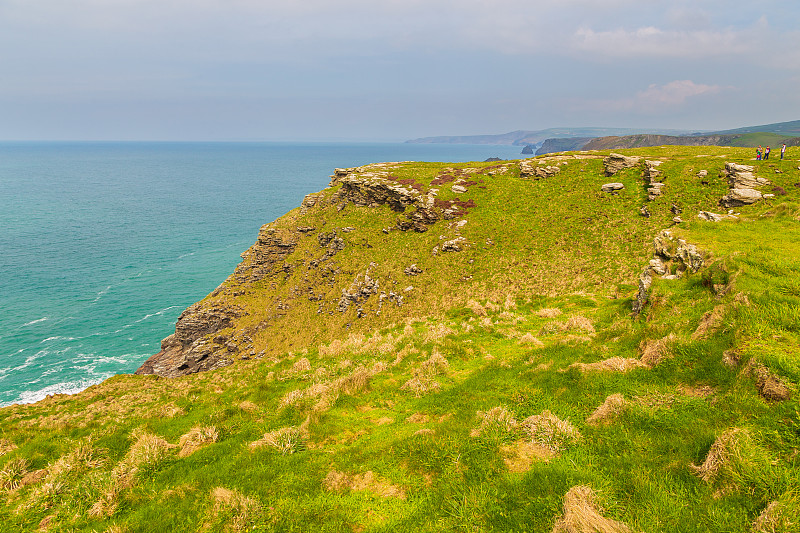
(783, 151)
(766, 153)
(758, 153)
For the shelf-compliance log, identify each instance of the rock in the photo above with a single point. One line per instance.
(677, 220)
(546, 172)
(740, 197)
(616, 162)
(654, 191)
(530, 168)
(675, 210)
(371, 189)
(418, 221)
(413, 270)
(189, 350)
(453, 245)
(645, 281)
(651, 171)
(493, 159)
(671, 248)
(611, 187)
(266, 255)
(306, 229)
(702, 174)
(742, 184)
(528, 150)
(711, 217)
(644, 211)
(310, 201)
(359, 292)
(458, 189)
(689, 256)
(657, 266)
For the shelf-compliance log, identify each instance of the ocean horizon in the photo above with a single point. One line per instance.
(104, 244)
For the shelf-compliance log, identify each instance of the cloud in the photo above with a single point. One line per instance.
(650, 41)
(656, 99)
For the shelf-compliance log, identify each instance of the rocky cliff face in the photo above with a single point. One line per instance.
(210, 334)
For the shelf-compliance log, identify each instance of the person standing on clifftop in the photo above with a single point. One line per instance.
(783, 151)
(766, 153)
(758, 153)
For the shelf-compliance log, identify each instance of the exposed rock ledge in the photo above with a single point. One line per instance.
(188, 350)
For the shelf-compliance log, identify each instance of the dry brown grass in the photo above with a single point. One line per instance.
(604, 414)
(579, 323)
(196, 438)
(548, 312)
(437, 332)
(244, 510)
(710, 322)
(248, 406)
(653, 351)
(725, 448)
(582, 515)
(422, 381)
(613, 364)
(325, 394)
(476, 308)
(520, 456)
(147, 450)
(12, 474)
(421, 385)
(529, 339)
(776, 518)
(769, 386)
(6, 446)
(418, 418)
(550, 431)
(497, 419)
(287, 440)
(337, 481)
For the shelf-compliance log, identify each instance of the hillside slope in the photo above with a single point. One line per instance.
(429, 347)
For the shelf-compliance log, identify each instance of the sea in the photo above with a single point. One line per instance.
(104, 244)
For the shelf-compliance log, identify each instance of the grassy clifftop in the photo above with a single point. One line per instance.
(430, 347)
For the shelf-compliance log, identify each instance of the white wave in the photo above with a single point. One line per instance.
(145, 317)
(102, 293)
(32, 322)
(70, 387)
(57, 338)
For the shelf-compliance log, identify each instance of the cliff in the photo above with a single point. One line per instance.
(587, 341)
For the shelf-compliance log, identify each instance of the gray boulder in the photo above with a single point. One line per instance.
(611, 187)
(616, 162)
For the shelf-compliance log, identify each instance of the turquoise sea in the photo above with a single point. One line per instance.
(103, 245)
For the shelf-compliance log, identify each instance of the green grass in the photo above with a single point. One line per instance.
(411, 459)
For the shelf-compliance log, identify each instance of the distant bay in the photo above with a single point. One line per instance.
(103, 245)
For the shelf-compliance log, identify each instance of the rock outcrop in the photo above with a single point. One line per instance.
(616, 162)
(531, 168)
(190, 349)
(612, 187)
(268, 253)
(743, 186)
(671, 258)
(653, 176)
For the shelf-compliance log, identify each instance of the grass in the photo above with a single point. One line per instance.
(443, 413)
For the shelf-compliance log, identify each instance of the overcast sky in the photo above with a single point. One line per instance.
(390, 70)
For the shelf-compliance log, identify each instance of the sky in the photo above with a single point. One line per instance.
(390, 70)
